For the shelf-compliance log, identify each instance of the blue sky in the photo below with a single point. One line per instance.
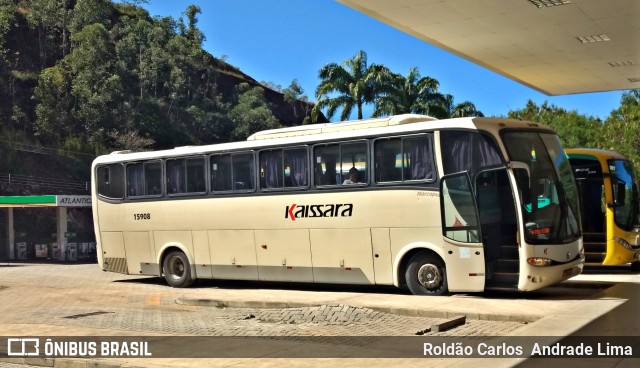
(281, 40)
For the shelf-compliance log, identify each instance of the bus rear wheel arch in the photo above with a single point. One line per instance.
(426, 274)
(176, 269)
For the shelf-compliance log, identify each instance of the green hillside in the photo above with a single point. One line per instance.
(80, 78)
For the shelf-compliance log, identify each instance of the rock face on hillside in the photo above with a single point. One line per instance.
(289, 114)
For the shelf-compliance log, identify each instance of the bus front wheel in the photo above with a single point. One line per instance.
(426, 275)
(176, 270)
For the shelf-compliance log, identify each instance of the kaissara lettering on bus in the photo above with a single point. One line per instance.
(295, 211)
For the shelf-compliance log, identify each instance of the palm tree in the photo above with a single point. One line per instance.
(352, 84)
(450, 110)
(410, 94)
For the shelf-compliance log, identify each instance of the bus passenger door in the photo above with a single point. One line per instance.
(499, 227)
(284, 255)
(464, 255)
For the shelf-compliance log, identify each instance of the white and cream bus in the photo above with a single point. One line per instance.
(434, 205)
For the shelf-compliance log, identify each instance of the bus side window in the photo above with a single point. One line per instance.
(417, 162)
(334, 161)
(459, 217)
(388, 156)
(404, 159)
(153, 178)
(243, 171)
(466, 151)
(195, 175)
(271, 173)
(135, 180)
(295, 168)
(176, 180)
(111, 181)
(354, 155)
(221, 179)
(326, 158)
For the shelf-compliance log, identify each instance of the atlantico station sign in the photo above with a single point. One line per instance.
(46, 201)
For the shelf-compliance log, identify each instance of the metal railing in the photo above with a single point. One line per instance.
(49, 183)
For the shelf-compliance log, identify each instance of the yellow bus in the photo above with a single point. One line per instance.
(436, 206)
(609, 195)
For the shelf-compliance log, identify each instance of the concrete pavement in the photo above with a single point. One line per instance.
(600, 303)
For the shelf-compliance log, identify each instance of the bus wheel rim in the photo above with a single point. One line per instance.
(176, 268)
(429, 276)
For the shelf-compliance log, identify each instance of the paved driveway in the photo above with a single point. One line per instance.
(81, 300)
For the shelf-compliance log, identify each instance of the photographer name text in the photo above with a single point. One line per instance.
(536, 349)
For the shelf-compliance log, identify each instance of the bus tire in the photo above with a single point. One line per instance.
(176, 270)
(635, 266)
(426, 275)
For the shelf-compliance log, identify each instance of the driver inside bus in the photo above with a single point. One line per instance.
(353, 176)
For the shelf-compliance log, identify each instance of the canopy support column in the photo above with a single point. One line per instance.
(11, 236)
(61, 218)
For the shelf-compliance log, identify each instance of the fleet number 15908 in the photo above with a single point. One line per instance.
(141, 216)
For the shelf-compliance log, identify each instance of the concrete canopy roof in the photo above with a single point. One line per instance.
(551, 49)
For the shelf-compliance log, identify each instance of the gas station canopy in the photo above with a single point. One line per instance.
(64, 250)
(554, 46)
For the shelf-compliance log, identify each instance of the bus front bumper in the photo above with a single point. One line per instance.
(539, 277)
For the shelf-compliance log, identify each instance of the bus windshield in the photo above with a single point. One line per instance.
(625, 194)
(548, 190)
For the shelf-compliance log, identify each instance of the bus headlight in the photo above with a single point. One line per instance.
(539, 262)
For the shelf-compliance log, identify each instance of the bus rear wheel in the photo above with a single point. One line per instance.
(426, 275)
(176, 270)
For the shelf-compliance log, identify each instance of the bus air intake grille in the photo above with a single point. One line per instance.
(115, 265)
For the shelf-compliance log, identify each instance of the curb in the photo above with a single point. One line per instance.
(409, 312)
(240, 304)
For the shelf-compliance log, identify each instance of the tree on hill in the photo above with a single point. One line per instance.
(294, 93)
(251, 113)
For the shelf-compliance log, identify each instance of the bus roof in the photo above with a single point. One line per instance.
(598, 154)
(340, 126)
(315, 133)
